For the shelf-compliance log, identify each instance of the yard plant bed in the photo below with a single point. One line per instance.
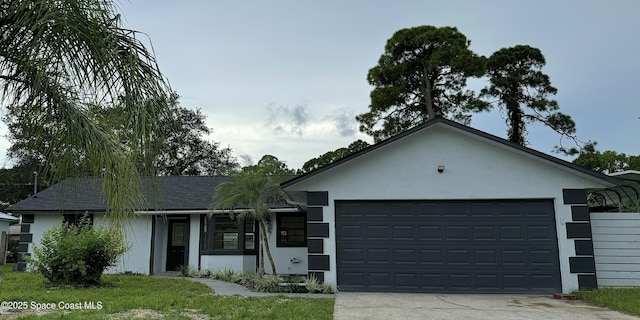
(142, 297)
(620, 299)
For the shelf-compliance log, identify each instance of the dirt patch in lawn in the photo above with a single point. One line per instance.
(153, 314)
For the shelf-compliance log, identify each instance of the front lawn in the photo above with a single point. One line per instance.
(140, 297)
(621, 299)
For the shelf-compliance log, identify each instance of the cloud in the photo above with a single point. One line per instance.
(344, 121)
(287, 119)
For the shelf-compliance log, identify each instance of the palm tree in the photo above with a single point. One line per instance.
(58, 58)
(254, 187)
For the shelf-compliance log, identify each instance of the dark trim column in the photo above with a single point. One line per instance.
(583, 263)
(317, 231)
(25, 239)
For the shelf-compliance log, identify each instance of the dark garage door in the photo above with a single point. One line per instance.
(447, 246)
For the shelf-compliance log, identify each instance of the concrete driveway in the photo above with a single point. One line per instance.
(406, 306)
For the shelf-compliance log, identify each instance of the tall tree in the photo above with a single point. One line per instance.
(607, 161)
(58, 57)
(421, 74)
(333, 156)
(179, 146)
(256, 186)
(523, 90)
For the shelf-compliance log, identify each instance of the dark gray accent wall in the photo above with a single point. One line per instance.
(314, 214)
(315, 246)
(584, 247)
(24, 240)
(319, 262)
(317, 198)
(580, 213)
(317, 231)
(320, 230)
(28, 218)
(587, 281)
(574, 196)
(26, 237)
(580, 230)
(583, 263)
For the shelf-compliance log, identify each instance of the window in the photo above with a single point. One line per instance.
(222, 235)
(225, 234)
(292, 229)
(75, 218)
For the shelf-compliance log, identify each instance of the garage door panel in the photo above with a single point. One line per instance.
(437, 246)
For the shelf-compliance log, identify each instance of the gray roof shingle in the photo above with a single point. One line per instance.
(161, 194)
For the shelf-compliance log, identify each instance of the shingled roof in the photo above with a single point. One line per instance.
(172, 193)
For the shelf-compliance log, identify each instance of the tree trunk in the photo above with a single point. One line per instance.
(516, 134)
(260, 252)
(426, 92)
(266, 246)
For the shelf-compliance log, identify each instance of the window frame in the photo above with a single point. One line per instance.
(73, 219)
(208, 234)
(280, 216)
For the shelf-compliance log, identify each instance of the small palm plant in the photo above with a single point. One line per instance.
(254, 188)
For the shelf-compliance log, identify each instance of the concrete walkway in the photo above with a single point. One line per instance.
(403, 306)
(222, 288)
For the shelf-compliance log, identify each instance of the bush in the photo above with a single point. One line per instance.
(12, 252)
(77, 255)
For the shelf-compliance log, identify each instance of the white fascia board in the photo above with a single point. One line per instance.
(217, 211)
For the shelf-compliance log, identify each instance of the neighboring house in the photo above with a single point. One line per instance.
(5, 221)
(174, 229)
(439, 208)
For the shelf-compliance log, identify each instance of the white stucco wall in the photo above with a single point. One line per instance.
(282, 257)
(138, 235)
(194, 241)
(4, 227)
(160, 245)
(475, 168)
(42, 223)
(135, 260)
(239, 263)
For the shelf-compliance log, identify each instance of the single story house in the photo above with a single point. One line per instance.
(441, 207)
(174, 229)
(5, 222)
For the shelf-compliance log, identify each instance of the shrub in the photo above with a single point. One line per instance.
(77, 254)
(312, 284)
(12, 252)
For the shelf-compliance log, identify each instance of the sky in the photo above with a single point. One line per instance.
(287, 77)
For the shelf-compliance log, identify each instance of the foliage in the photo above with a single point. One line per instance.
(517, 82)
(421, 74)
(129, 297)
(620, 299)
(254, 188)
(59, 57)
(606, 162)
(178, 147)
(333, 156)
(270, 283)
(12, 251)
(260, 282)
(77, 255)
(17, 183)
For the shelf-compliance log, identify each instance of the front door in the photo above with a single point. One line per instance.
(177, 244)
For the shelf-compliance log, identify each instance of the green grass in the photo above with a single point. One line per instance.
(620, 299)
(129, 296)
